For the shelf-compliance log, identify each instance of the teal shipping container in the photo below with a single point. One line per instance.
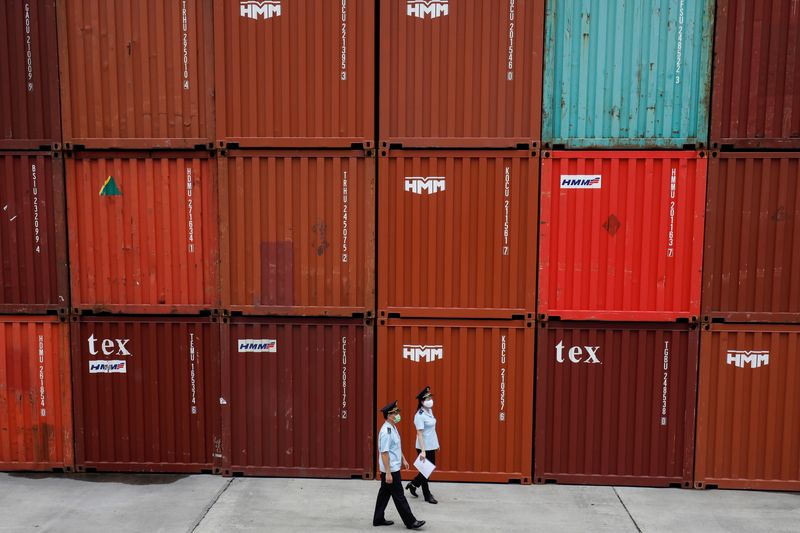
(627, 73)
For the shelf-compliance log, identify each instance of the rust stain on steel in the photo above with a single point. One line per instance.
(756, 94)
(467, 74)
(457, 234)
(752, 256)
(298, 397)
(136, 74)
(33, 247)
(313, 251)
(295, 74)
(621, 235)
(35, 394)
(144, 235)
(615, 403)
(748, 414)
(146, 394)
(481, 373)
(30, 117)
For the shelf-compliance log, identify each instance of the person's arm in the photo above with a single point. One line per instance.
(421, 441)
(405, 463)
(385, 459)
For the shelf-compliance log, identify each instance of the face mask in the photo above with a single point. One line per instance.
(396, 419)
(427, 404)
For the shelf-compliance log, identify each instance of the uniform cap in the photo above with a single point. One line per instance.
(389, 408)
(424, 393)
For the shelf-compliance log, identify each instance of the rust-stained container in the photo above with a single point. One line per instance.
(621, 235)
(752, 256)
(461, 74)
(147, 394)
(33, 234)
(144, 234)
(298, 397)
(30, 117)
(615, 403)
(298, 232)
(756, 94)
(748, 412)
(35, 394)
(297, 73)
(136, 73)
(481, 373)
(457, 233)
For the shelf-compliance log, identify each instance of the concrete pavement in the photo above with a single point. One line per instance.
(203, 504)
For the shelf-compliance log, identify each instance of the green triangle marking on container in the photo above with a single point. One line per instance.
(110, 188)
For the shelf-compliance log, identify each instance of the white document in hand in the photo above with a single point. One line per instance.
(425, 468)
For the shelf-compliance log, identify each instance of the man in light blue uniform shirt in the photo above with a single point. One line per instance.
(390, 460)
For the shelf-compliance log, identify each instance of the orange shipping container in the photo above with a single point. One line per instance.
(748, 415)
(298, 232)
(481, 374)
(457, 233)
(143, 232)
(295, 74)
(136, 73)
(35, 394)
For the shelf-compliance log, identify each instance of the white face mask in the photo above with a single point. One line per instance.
(427, 404)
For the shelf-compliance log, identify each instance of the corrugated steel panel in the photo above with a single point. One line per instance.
(312, 252)
(752, 259)
(456, 233)
(30, 117)
(295, 74)
(481, 373)
(615, 403)
(621, 235)
(756, 95)
(136, 73)
(461, 74)
(627, 74)
(35, 394)
(33, 234)
(748, 413)
(144, 234)
(298, 397)
(146, 394)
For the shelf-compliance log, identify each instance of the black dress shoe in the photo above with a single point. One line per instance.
(431, 499)
(384, 523)
(416, 525)
(412, 489)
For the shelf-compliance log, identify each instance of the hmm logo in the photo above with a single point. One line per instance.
(260, 9)
(744, 358)
(258, 346)
(108, 367)
(431, 185)
(581, 181)
(577, 354)
(419, 353)
(423, 8)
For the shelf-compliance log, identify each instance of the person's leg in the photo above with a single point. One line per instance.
(400, 500)
(384, 494)
(426, 491)
(420, 479)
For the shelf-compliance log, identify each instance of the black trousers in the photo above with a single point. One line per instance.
(422, 481)
(395, 491)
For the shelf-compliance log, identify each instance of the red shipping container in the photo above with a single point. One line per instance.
(457, 234)
(748, 413)
(621, 235)
(30, 117)
(146, 394)
(298, 397)
(144, 234)
(136, 74)
(295, 74)
(461, 74)
(481, 374)
(35, 394)
(615, 403)
(313, 251)
(33, 234)
(756, 92)
(752, 259)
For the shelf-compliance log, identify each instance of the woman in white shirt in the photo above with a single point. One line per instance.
(427, 441)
